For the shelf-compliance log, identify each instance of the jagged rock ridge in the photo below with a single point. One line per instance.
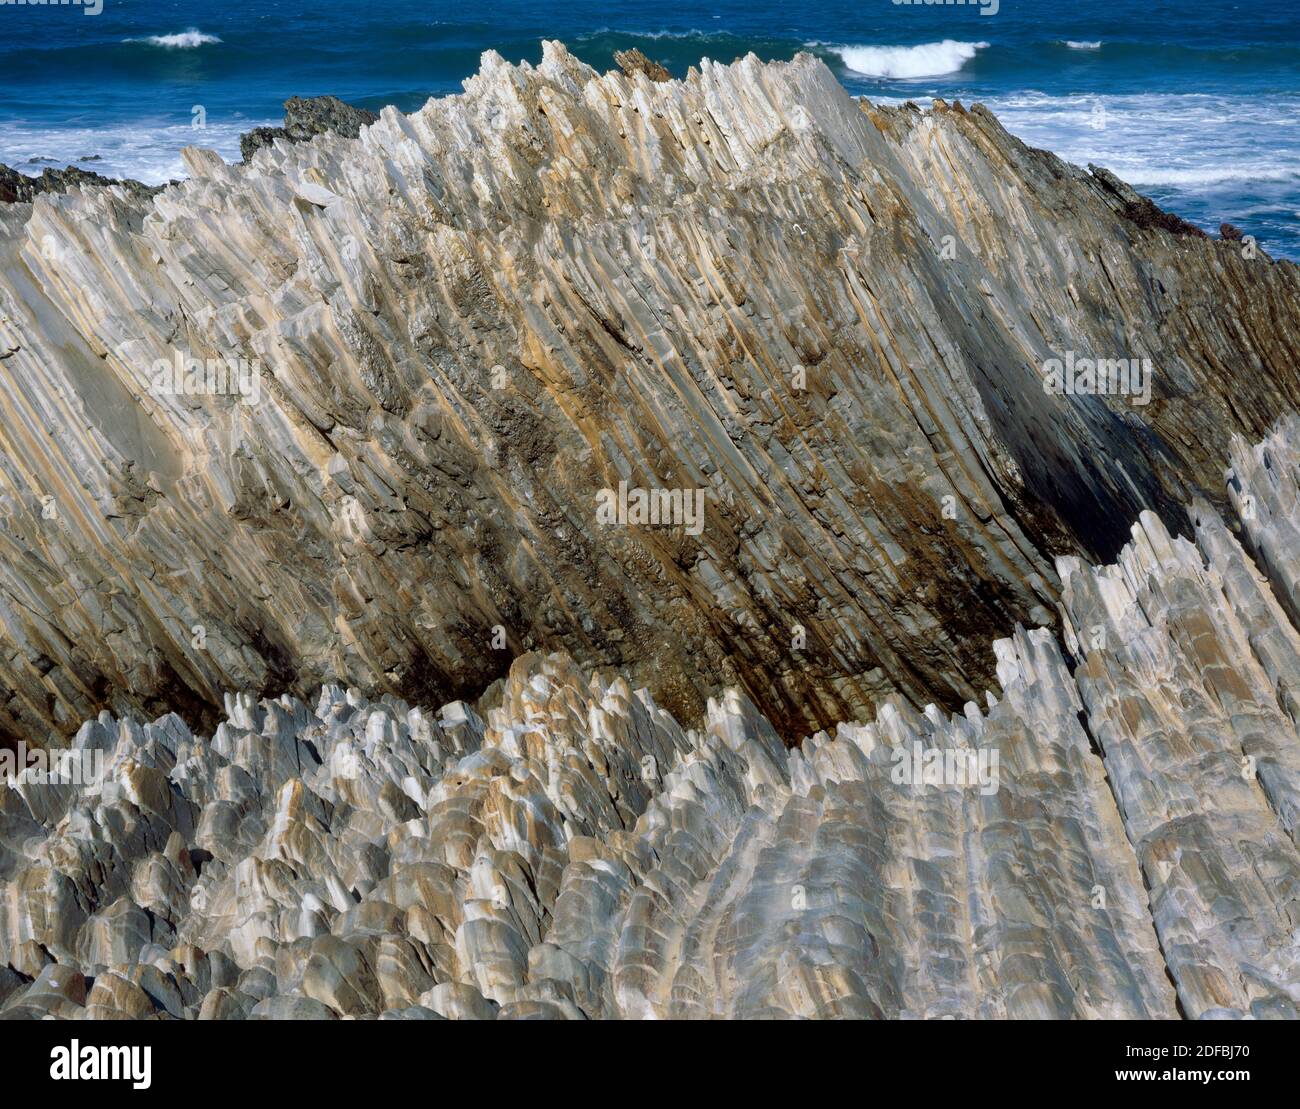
(472, 319)
(18, 188)
(566, 849)
(304, 119)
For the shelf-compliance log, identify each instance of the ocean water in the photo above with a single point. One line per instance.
(1196, 104)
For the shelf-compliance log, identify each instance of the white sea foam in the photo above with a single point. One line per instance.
(1082, 45)
(1207, 156)
(147, 150)
(1209, 176)
(930, 59)
(182, 40)
(692, 33)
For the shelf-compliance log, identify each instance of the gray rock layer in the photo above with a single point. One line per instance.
(18, 188)
(304, 119)
(469, 320)
(566, 849)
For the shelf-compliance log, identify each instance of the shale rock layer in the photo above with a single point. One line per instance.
(469, 321)
(566, 849)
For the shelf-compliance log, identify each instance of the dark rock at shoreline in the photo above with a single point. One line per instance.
(1142, 210)
(18, 188)
(1147, 214)
(306, 117)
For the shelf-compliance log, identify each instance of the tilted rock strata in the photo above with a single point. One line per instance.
(577, 854)
(1264, 485)
(304, 119)
(472, 319)
(1204, 761)
(634, 61)
(566, 849)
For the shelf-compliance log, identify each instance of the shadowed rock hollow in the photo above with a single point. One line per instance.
(468, 321)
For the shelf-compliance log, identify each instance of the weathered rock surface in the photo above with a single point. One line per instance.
(304, 119)
(565, 849)
(463, 325)
(468, 321)
(18, 188)
(634, 61)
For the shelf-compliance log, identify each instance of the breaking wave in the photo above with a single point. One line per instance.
(182, 40)
(930, 59)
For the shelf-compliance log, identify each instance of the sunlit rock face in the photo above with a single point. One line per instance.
(1113, 834)
(804, 647)
(457, 331)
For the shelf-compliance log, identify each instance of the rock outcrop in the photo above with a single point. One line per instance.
(1120, 842)
(634, 61)
(371, 420)
(18, 188)
(459, 334)
(304, 119)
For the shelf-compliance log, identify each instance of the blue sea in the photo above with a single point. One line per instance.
(1196, 104)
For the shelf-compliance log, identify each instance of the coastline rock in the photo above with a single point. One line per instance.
(18, 188)
(1122, 842)
(470, 327)
(1144, 211)
(304, 119)
(634, 61)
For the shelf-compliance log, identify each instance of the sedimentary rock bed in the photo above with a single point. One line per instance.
(432, 353)
(468, 321)
(1127, 846)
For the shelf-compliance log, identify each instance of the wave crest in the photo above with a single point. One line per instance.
(930, 59)
(182, 40)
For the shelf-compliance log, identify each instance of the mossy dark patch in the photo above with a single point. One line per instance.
(1148, 215)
